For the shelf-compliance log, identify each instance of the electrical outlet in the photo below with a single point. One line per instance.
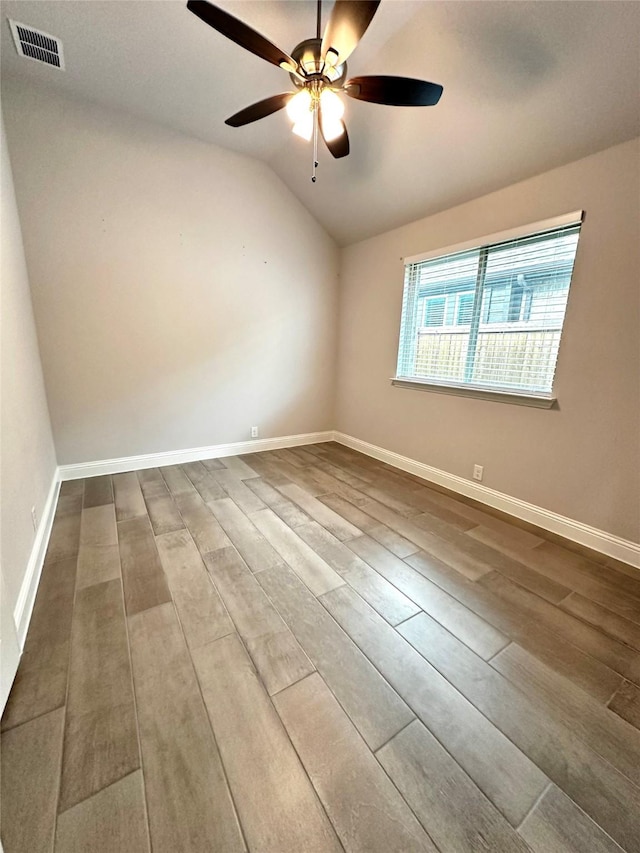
(34, 518)
(478, 471)
(254, 432)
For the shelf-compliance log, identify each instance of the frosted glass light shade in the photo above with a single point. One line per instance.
(299, 107)
(304, 126)
(331, 105)
(332, 128)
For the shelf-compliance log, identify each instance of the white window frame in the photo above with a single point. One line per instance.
(527, 398)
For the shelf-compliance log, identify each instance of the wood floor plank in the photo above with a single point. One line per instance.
(98, 491)
(479, 635)
(100, 738)
(617, 592)
(389, 602)
(626, 703)
(40, 684)
(504, 774)
(150, 480)
(276, 653)
(98, 555)
(188, 801)
(393, 498)
(391, 540)
(294, 456)
(605, 620)
(203, 526)
(422, 498)
(72, 487)
(29, 782)
(258, 756)
(494, 532)
(202, 614)
(177, 481)
(303, 455)
(255, 550)
(375, 708)
(323, 463)
(213, 464)
(589, 674)
(459, 507)
(268, 470)
(163, 513)
(285, 509)
(596, 786)
(492, 559)
(557, 825)
(64, 541)
(623, 581)
(312, 569)
(161, 507)
(110, 821)
(453, 555)
(354, 496)
(68, 504)
(516, 570)
(366, 810)
(128, 496)
(321, 513)
(145, 584)
(356, 465)
(450, 806)
(238, 491)
(311, 479)
(607, 734)
(208, 487)
(500, 535)
(615, 655)
(239, 468)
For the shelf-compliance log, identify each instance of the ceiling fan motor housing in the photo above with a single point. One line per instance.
(308, 56)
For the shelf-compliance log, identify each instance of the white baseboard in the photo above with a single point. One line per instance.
(27, 594)
(576, 531)
(192, 454)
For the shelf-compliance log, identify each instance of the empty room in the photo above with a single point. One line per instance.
(320, 426)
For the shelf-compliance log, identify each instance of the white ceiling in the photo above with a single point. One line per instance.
(528, 86)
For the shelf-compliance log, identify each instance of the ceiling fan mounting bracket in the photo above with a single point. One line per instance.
(308, 55)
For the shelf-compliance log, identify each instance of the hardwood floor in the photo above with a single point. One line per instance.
(307, 650)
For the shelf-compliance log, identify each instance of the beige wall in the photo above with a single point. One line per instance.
(182, 294)
(581, 460)
(27, 456)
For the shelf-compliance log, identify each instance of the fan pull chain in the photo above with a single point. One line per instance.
(315, 144)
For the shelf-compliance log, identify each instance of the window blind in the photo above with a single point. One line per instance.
(489, 317)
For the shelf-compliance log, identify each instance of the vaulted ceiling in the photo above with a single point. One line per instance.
(528, 86)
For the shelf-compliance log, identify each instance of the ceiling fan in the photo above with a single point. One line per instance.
(318, 70)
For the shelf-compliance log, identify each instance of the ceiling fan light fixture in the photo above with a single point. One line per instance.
(318, 70)
(332, 128)
(331, 58)
(331, 105)
(304, 127)
(300, 107)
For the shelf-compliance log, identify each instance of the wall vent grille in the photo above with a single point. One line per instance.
(34, 44)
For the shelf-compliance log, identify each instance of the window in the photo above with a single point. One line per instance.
(489, 317)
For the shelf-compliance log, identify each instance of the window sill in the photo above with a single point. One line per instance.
(519, 398)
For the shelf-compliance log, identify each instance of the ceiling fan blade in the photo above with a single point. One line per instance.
(346, 26)
(260, 110)
(395, 91)
(241, 34)
(339, 146)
